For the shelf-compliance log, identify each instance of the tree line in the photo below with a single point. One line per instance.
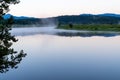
(88, 19)
(73, 19)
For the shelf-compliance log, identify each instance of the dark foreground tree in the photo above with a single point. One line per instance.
(9, 58)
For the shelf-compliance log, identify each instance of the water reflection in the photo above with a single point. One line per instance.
(52, 57)
(61, 32)
(87, 34)
(9, 59)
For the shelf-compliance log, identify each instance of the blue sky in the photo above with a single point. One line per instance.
(48, 8)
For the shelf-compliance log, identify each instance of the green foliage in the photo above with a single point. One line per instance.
(93, 27)
(9, 58)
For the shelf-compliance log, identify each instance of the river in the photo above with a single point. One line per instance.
(54, 54)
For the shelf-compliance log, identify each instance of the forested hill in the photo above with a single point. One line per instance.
(90, 19)
(74, 19)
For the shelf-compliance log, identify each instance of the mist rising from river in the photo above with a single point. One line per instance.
(52, 30)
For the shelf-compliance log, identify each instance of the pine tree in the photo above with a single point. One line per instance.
(9, 58)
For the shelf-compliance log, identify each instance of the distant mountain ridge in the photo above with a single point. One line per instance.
(110, 14)
(7, 16)
(106, 18)
(104, 14)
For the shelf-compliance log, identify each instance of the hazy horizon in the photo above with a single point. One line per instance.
(62, 15)
(51, 8)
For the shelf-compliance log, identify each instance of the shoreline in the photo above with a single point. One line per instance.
(91, 27)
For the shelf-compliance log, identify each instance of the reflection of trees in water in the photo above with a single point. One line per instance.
(9, 58)
(87, 34)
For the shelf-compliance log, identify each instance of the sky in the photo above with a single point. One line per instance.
(51, 8)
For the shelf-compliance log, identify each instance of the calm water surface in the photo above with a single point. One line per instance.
(60, 57)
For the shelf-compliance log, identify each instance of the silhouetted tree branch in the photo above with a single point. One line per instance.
(9, 58)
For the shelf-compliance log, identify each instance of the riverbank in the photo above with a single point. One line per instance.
(91, 27)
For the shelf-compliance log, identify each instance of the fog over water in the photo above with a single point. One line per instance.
(51, 30)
